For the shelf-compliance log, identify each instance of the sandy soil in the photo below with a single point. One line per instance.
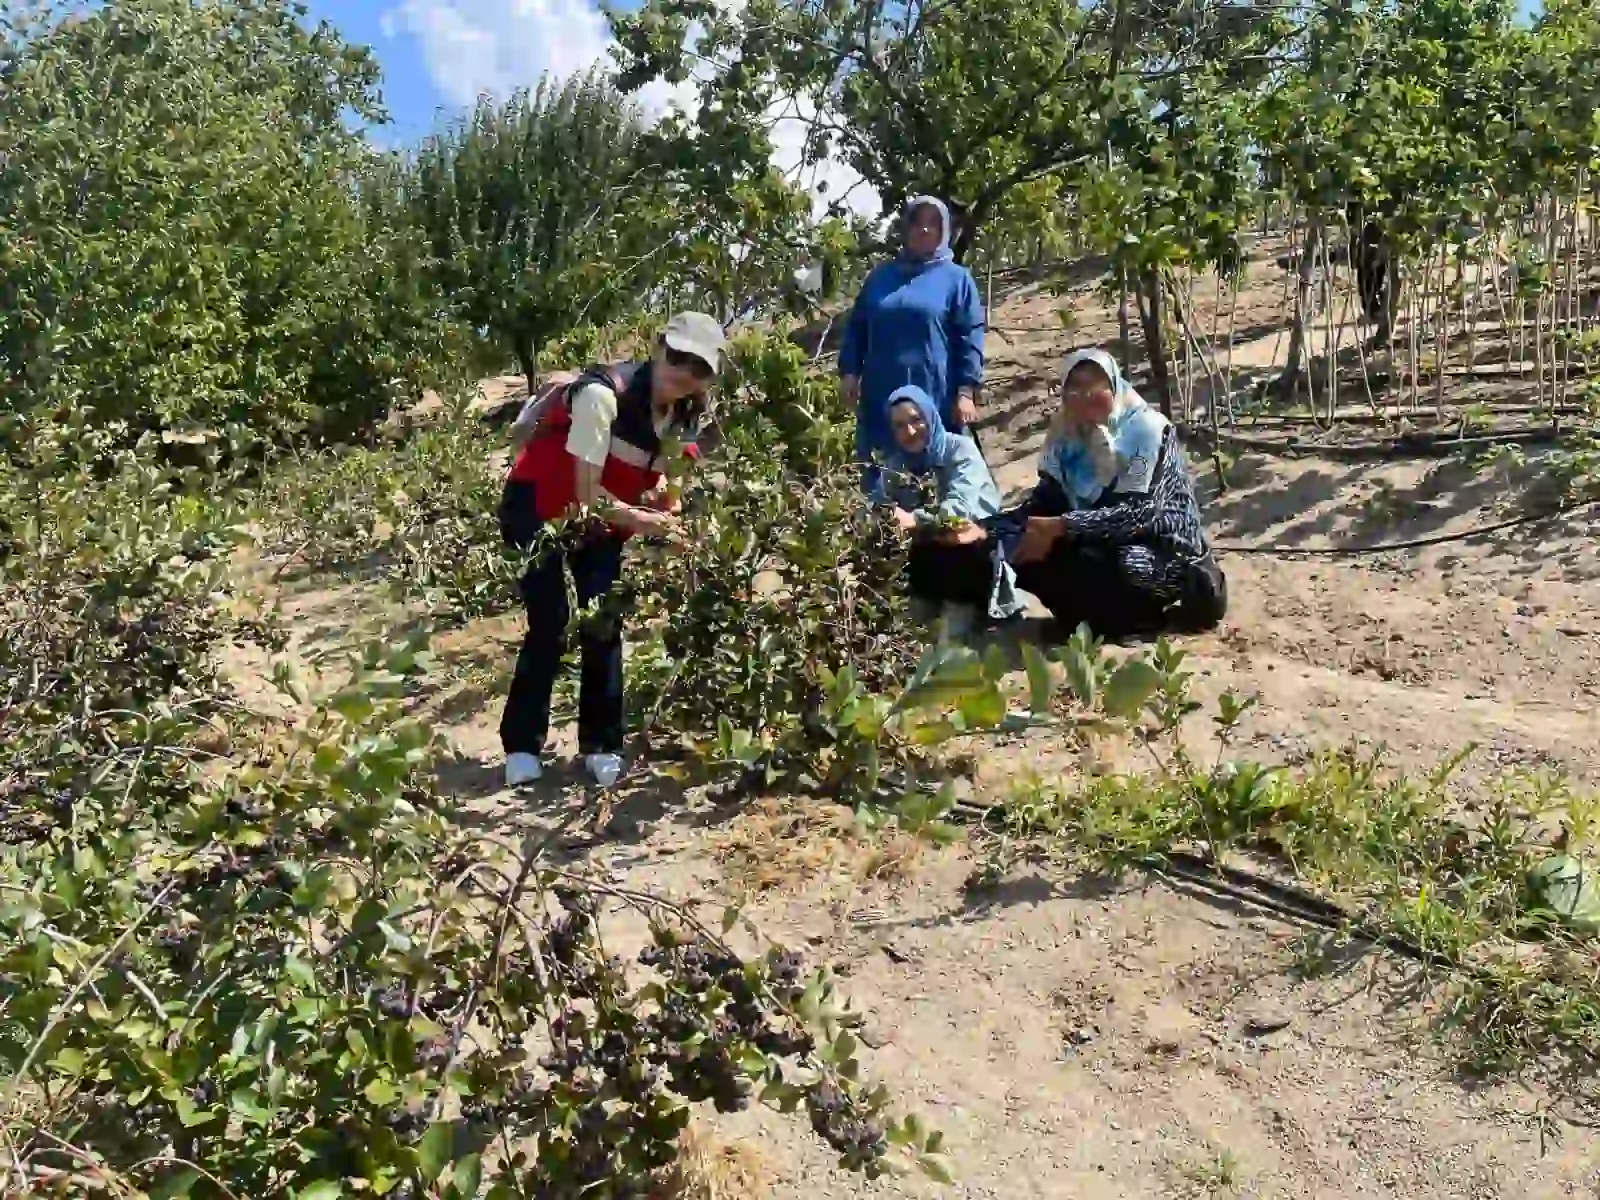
(1140, 1041)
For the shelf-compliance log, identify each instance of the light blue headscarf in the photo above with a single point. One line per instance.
(1085, 462)
(943, 254)
(940, 440)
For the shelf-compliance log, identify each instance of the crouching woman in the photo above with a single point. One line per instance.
(955, 568)
(1112, 537)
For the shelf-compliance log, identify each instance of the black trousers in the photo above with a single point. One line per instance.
(594, 562)
(1126, 591)
(945, 574)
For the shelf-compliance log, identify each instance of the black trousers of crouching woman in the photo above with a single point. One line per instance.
(594, 561)
(941, 573)
(1123, 591)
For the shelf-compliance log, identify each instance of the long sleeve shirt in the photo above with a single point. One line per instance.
(964, 488)
(1154, 507)
(912, 324)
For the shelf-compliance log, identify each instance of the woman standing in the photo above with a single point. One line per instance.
(1111, 537)
(955, 567)
(919, 321)
(599, 443)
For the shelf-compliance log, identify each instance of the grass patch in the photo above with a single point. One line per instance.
(779, 845)
(1493, 889)
(1216, 1175)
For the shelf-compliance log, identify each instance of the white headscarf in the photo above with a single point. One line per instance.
(1085, 459)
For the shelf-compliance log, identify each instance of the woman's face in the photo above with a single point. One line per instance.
(1087, 396)
(924, 231)
(678, 376)
(910, 430)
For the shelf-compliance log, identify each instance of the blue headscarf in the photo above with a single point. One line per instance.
(943, 254)
(941, 442)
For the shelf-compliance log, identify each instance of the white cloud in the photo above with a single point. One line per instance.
(496, 46)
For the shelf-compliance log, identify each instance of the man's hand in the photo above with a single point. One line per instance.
(966, 407)
(850, 388)
(1038, 539)
(904, 520)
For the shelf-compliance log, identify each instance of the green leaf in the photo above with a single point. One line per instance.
(1130, 685)
(1041, 688)
(190, 1114)
(938, 1167)
(984, 708)
(933, 733)
(323, 1189)
(1080, 675)
(995, 663)
(435, 1150)
(177, 1186)
(466, 1176)
(299, 971)
(1570, 889)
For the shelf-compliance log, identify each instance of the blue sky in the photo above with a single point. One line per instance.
(437, 55)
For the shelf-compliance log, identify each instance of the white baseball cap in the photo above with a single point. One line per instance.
(697, 334)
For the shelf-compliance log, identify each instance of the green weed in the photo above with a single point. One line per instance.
(1492, 890)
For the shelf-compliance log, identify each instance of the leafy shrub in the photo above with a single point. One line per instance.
(418, 508)
(247, 959)
(190, 232)
(772, 639)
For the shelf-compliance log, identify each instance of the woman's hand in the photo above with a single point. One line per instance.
(666, 499)
(1038, 539)
(966, 406)
(964, 534)
(850, 388)
(904, 520)
(654, 523)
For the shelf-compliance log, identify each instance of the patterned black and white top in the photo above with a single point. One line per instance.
(1152, 519)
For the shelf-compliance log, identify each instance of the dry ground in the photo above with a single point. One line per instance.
(1139, 1041)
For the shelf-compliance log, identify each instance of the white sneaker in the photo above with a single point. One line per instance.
(523, 769)
(606, 769)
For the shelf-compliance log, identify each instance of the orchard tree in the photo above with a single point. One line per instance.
(540, 213)
(563, 209)
(971, 101)
(182, 236)
(1178, 190)
(1401, 125)
(741, 230)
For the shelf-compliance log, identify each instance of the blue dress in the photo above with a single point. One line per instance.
(914, 323)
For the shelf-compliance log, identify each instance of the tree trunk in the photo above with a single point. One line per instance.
(527, 362)
(1155, 344)
(1125, 340)
(961, 246)
(1294, 371)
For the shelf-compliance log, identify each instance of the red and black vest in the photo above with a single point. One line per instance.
(635, 461)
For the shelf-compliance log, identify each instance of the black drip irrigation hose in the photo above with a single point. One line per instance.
(1407, 446)
(1286, 900)
(1437, 539)
(1293, 903)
